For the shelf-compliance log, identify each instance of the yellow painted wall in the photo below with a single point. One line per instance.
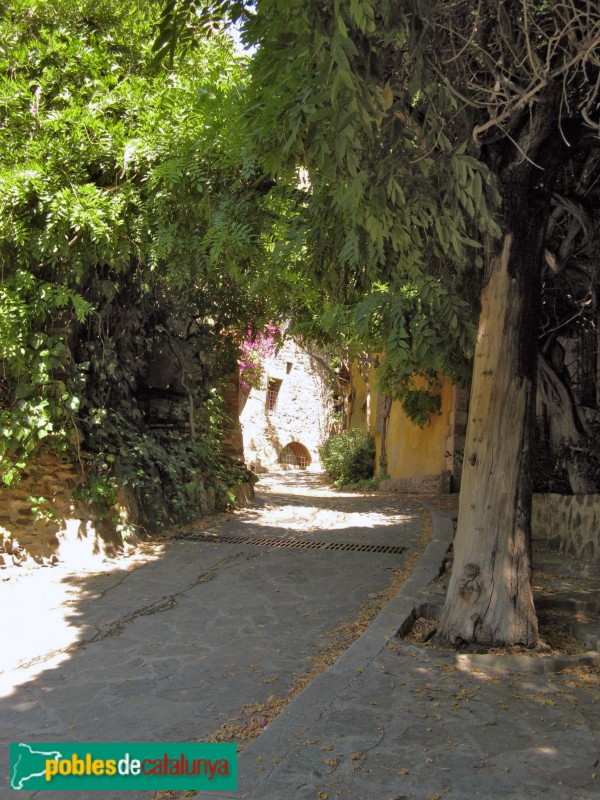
(412, 452)
(358, 418)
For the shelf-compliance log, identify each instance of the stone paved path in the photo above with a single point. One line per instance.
(394, 721)
(412, 725)
(169, 644)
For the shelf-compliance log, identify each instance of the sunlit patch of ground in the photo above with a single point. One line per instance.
(57, 590)
(315, 519)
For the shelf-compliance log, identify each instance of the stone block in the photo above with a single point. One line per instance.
(244, 493)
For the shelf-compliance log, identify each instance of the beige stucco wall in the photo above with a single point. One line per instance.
(413, 453)
(303, 411)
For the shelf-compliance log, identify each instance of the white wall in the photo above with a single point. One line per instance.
(303, 411)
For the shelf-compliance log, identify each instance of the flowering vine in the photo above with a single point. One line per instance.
(255, 349)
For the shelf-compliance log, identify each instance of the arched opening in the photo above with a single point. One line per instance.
(295, 454)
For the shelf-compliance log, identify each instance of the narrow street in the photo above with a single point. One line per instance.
(172, 643)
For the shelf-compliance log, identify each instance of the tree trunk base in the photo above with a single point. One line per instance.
(490, 597)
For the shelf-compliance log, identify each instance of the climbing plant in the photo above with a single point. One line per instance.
(255, 348)
(131, 232)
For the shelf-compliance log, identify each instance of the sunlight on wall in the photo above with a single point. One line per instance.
(412, 452)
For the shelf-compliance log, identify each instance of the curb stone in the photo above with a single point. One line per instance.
(281, 737)
(258, 763)
(490, 664)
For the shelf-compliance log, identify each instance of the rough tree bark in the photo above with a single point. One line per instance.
(364, 368)
(387, 407)
(350, 404)
(490, 598)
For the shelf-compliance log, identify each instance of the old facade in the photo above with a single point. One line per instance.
(427, 459)
(290, 415)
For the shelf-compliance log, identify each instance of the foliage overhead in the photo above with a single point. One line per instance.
(398, 129)
(391, 234)
(131, 229)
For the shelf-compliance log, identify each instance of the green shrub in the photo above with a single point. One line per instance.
(349, 456)
(371, 484)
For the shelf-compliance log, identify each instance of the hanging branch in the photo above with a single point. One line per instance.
(504, 56)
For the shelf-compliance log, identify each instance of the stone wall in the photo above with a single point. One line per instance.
(571, 523)
(302, 409)
(423, 484)
(233, 442)
(60, 529)
(41, 523)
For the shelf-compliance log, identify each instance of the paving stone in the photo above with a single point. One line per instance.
(170, 645)
(402, 721)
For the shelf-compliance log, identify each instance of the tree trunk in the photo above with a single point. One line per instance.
(364, 368)
(350, 403)
(387, 407)
(490, 598)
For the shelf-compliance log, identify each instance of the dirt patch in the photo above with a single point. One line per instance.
(422, 630)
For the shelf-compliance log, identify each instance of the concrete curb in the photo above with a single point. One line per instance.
(259, 764)
(281, 736)
(489, 664)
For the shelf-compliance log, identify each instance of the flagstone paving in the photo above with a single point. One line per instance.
(171, 643)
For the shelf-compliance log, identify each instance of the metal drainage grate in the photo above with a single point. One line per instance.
(300, 543)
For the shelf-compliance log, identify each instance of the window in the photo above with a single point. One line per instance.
(273, 387)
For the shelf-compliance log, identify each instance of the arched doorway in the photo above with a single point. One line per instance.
(295, 454)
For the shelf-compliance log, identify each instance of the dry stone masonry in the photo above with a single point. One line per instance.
(41, 523)
(571, 523)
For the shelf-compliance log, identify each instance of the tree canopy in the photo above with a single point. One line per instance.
(451, 155)
(130, 226)
(410, 120)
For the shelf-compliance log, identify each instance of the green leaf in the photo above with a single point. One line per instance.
(23, 390)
